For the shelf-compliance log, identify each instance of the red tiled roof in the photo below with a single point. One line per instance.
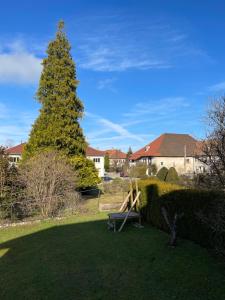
(168, 144)
(116, 154)
(18, 149)
(94, 152)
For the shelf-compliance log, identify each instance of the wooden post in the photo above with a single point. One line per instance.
(137, 190)
(131, 189)
(129, 211)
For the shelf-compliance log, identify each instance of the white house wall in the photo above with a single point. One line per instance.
(188, 165)
(98, 165)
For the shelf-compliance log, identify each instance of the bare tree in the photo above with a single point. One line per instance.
(213, 147)
(49, 180)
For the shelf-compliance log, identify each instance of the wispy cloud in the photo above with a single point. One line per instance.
(107, 83)
(14, 127)
(163, 107)
(218, 87)
(3, 111)
(108, 59)
(119, 45)
(110, 134)
(139, 126)
(18, 65)
(123, 132)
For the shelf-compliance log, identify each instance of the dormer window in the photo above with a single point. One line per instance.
(147, 148)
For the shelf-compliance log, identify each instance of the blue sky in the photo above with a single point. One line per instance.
(145, 67)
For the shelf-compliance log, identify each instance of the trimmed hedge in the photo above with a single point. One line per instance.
(162, 173)
(172, 176)
(188, 202)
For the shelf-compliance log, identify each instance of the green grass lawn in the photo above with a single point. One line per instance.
(78, 258)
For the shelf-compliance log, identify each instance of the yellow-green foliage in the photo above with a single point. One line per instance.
(86, 173)
(172, 176)
(162, 173)
(190, 203)
(151, 190)
(57, 125)
(154, 188)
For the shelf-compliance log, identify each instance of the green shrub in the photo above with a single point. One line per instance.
(117, 185)
(194, 205)
(85, 171)
(172, 176)
(162, 173)
(138, 171)
(151, 190)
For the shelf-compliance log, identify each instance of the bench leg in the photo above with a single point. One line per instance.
(114, 226)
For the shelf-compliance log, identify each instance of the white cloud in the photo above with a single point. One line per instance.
(3, 111)
(15, 127)
(217, 87)
(161, 108)
(123, 132)
(107, 83)
(107, 60)
(120, 45)
(18, 65)
(110, 134)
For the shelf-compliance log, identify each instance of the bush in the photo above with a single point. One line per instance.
(85, 171)
(162, 173)
(117, 185)
(172, 176)
(138, 171)
(151, 190)
(48, 180)
(10, 188)
(195, 207)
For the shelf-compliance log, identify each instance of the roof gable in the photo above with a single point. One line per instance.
(16, 150)
(168, 144)
(94, 152)
(116, 154)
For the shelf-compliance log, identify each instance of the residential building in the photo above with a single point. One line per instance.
(171, 150)
(98, 157)
(15, 153)
(117, 158)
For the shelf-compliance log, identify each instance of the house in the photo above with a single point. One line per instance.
(171, 150)
(15, 153)
(97, 156)
(117, 158)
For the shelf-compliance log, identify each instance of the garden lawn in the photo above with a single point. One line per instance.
(78, 258)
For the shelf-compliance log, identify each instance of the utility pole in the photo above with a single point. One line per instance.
(185, 155)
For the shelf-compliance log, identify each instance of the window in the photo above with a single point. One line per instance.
(96, 160)
(161, 163)
(14, 159)
(188, 160)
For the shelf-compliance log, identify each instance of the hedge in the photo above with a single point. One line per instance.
(172, 176)
(162, 173)
(188, 202)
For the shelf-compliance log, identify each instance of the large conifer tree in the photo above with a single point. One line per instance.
(57, 126)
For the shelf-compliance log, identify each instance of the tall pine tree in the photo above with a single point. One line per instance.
(57, 126)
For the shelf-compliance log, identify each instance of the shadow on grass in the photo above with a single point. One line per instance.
(85, 261)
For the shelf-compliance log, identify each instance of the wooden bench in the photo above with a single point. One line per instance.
(124, 216)
(120, 217)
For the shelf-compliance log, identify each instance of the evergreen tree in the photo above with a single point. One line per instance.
(129, 152)
(57, 126)
(106, 162)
